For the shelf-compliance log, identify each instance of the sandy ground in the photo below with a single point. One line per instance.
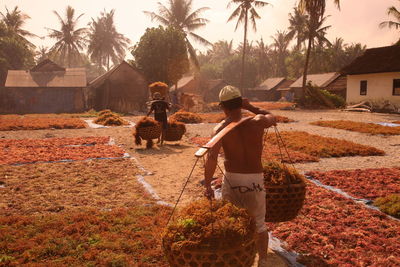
(171, 164)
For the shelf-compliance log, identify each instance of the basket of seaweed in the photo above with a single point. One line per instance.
(175, 131)
(159, 87)
(147, 129)
(285, 191)
(214, 234)
(108, 118)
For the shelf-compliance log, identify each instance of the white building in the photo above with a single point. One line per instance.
(374, 76)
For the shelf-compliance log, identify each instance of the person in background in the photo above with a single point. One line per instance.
(243, 183)
(159, 106)
(175, 101)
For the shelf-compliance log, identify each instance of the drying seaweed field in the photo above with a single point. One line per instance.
(72, 194)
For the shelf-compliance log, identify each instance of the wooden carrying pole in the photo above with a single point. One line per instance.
(217, 138)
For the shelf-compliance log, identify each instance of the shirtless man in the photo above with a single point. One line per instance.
(243, 183)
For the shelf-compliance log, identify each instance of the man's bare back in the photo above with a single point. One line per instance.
(243, 147)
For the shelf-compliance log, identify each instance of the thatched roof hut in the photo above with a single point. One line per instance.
(46, 88)
(375, 60)
(375, 76)
(268, 90)
(122, 89)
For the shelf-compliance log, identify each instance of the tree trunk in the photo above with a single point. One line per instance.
(244, 54)
(303, 96)
(108, 62)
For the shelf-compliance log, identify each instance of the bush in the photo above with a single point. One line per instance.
(337, 100)
(389, 205)
(317, 98)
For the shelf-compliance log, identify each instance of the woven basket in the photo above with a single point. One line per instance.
(149, 132)
(283, 202)
(241, 256)
(173, 134)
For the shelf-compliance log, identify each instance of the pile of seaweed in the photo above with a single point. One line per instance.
(108, 118)
(276, 173)
(187, 117)
(144, 122)
(209, 225)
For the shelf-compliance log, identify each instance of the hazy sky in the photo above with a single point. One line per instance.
(356, 22)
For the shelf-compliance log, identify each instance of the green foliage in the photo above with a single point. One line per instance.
(211, 71)
(105, 44)
(187, 223)
(162, 55)
(232, 69)
(337, 100)
(14, 54)
(317, 98)
(389, 204)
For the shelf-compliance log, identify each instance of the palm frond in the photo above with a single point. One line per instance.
(390, 24)
(199, 39)
(261, 3)
(392, 11)
(235, 13)
(192, 54)
(156, 17)
(195, 15)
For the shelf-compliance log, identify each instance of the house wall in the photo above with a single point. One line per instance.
(338, 86)
(379, 88)
(125, 91)
(41, 100)
(256, 95)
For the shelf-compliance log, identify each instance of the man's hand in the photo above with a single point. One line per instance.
(272, 119)
(246, 104)
(256, 110)
(209, 193)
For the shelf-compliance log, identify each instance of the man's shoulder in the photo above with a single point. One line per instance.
(219, 127)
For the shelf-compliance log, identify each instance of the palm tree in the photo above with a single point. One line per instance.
(242, 12)
(179, 14)
(337, 51)
(105, 43)
(14, 22)
(41, 54)
(315, 9)
(262, 55)
(69, 40)
(298, 26)
(221, 50)
(392, 11)
(280, 45)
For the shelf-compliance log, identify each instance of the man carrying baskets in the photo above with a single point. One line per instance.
(160, 107)
(243, 183)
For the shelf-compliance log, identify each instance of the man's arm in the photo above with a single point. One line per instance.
(265, 121)
(256, 110)
(150, 111)
(209, 168)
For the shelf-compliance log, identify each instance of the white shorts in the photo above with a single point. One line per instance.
(246, 190)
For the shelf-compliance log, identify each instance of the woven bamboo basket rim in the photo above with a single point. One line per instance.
(299, 185)
(212, 250)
